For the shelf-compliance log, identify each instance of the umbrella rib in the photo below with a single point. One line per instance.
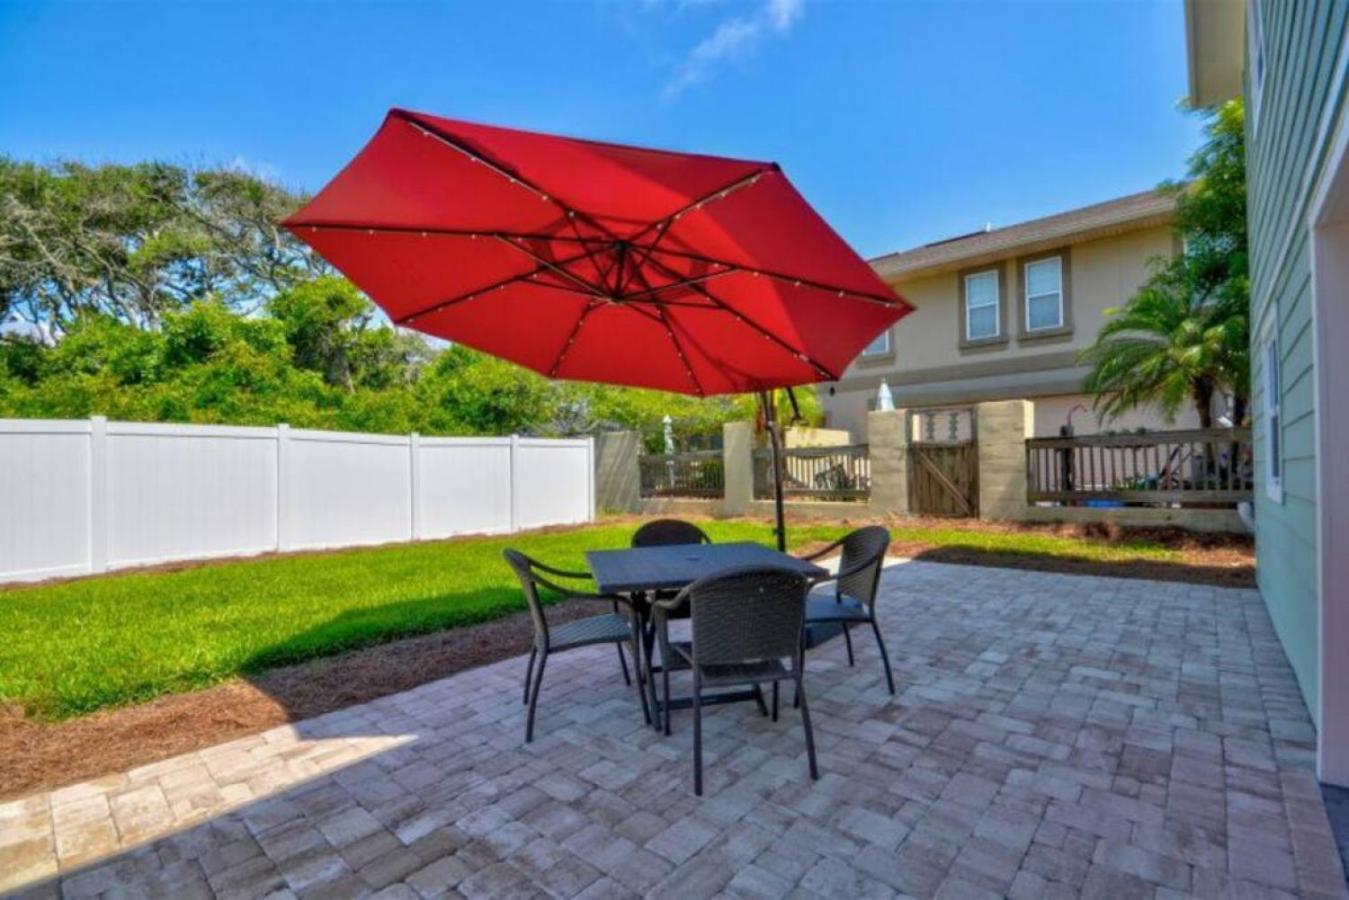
(660, 318)
(571, 338)
(663, 317)
(478, 292)
(440, 232)
(668, 304)
(679, 349)
(649, 292)
(492, 165)
(717, 194)
(741, 317)
(663, 226)
(597, 291)
(779, 276)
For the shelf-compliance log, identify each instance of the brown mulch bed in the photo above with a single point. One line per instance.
(39, 755)
(1222, 570)
(1216, 558)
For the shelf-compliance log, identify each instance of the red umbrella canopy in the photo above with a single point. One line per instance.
(598, 262)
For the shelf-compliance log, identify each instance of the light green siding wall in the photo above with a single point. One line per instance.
(1285, 153)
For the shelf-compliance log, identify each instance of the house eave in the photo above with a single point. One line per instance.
(1215, 36)
(1145, 210)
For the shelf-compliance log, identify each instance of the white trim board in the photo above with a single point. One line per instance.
(1328, 221)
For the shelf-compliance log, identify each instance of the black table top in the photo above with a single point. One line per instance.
(678, 565)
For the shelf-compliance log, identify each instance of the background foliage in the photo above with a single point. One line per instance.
(154, 292)
(1185, 335)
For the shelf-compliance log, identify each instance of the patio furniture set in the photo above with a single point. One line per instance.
(751, 617)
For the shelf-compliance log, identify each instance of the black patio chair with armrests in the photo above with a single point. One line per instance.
(855, 587)
(614, 628)
(745, 623)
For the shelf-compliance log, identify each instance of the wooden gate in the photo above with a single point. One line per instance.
(943, 462)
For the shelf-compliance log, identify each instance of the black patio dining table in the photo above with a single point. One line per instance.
(641, 571)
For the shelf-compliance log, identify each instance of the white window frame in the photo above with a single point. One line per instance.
(1025, 287)
(996, 304)
(1255, 57)
(867, 351)
(1271, 413)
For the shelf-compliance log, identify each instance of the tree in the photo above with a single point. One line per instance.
(137, 241)
(1185, 335)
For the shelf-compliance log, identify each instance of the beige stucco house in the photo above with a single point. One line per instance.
(1003, 313)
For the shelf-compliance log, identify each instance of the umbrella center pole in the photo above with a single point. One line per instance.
(775, 452)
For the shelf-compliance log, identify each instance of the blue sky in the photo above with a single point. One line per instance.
(902, 122)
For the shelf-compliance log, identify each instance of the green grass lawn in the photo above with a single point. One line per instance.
(72, 648)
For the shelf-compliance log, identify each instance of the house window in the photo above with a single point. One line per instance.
(1044, 294)
(981, 306)
(880, 346)
(1273, 436)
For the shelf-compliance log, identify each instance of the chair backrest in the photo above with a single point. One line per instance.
(747, 614)
(524, 570)
(864, 550)
(664, 532)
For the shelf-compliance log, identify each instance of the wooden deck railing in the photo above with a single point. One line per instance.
(1181, 468)
(699, 473)
(817, 473)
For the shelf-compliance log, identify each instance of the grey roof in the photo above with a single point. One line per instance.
(1098, 220)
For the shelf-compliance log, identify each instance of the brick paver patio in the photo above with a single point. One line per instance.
(1052, 736)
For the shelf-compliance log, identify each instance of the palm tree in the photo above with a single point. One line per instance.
(1171, 342)
(1186, 333)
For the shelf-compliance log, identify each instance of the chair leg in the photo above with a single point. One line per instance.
(847, 639)
(647, 637)
(665, 699)
(810, 732)
(801, 656)
(758, 698)
(529, 673)
(534, 698)
(775, 701)
(623, 662)
(636, 648)
(885, 657)
(697, 733)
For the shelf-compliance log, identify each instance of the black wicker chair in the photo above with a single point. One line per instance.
(855, 586)
(746, 630)
(664, 532)
(615, 628)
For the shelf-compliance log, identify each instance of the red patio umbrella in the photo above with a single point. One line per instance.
(599, 262)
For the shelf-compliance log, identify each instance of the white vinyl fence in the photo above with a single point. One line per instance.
(84, 496)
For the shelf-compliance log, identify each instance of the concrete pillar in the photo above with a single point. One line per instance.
(617, 478)
(1003, 427)
(737, 453)
(888, 449)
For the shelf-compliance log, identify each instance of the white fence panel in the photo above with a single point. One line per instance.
(178, 492)
(554, 482)
(44, 498)
(341, 489)
(464, 486)
(86, 496)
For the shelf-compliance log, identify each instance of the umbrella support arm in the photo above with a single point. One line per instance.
(775, 447)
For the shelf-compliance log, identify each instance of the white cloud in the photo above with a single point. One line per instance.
(256, 168)
(732, 37)
(783, 14)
